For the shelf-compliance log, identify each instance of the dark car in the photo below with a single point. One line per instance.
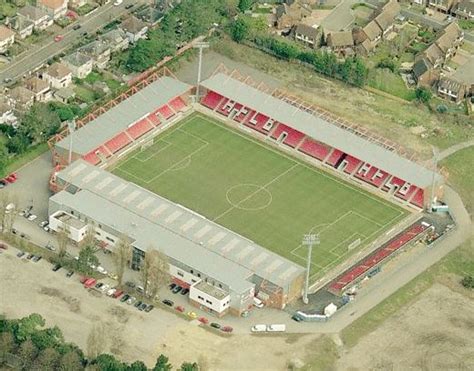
(125, 298)
(177, 289)
(138, 303)
(149, 308)
(215, 325)
(142, 306)
(36, 259)
(172, 286)
(167, 302)
(128, 6)
(20, 254)
(56, 267)
(84, 34)
(69, 274)
(184, 291)
(30, 256)
(296, 317)
(130, 284)
(99, 285)
(3, 183)
(76, 26)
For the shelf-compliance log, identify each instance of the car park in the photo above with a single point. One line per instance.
(149, 308)
(56, 267)
(215, 325)
(167, 302)
(125, 298)
(184, 291)
(177, 289)
(69, 274)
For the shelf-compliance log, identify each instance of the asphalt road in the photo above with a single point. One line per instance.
(40, 53)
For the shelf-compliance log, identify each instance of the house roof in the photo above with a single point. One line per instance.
(182, 234)
(65, 93)
(433, 53)
(95, 48)
(21, 94)
(465, 6)
(318, 128)
(448, 36)
(304, 29)
(5, 33)
(36, 85)
(114, 36)
(372, 30)
(450, 84)
(420, 67)
(389, 11)
(20, 23)
(125, 114)
(52, 4)
(32, 12)
(133, 25)
(58, 70)
(340, 39)
(77, 59)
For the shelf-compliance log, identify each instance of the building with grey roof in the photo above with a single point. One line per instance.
(318, 128)
(198, 249)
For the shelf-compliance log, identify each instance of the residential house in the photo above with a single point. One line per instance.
(434, 55)
(340, 42)
(307, 35)
(7, 38)
(55, 8)
(451, 89)
(465, 9)
(22, 26)
(369, 37)
(41, 20)
(99, 51)
(40, 89)
(134, 28)
(79, 63)
(116, 39)
(443, 6)
(22, 97)
(7, 114)
(64, 95)
(424, 73)
(58, 75)
(74, 4)
(386, 18)
(290, 13)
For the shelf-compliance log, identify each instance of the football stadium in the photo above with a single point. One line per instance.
(226, 179)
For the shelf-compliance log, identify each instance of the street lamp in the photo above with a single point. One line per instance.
(199, 45)
(309, 240)
(71, 126)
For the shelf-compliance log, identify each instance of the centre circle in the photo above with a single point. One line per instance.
(249, 197)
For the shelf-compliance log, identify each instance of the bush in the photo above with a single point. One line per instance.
(441, 108)
(423, 95)
(468, 282)
(387, 63)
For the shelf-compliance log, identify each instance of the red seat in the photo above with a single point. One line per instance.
(225, 107)
(314, 149)
(244, 114)
(177, 104)
(165, 111)
(352, 164)
(257, 122)
(293, 137)
(92, 158)
(405, 193)
(334, 157)
(211, 100)
(153, 118)
(118, 142)
(418, 198)
(139, 128)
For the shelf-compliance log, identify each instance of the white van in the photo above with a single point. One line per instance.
(118, 2)
(9, 208)
(276, 328)
(259, 328)
(258, 303)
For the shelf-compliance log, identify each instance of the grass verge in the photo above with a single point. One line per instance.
(21, 160)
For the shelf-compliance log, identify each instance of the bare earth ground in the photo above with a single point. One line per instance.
(435, 333)
(29, 287)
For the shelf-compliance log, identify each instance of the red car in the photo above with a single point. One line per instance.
(3, 246)
(227, 329)
(203, 320)
(84, 279)
(89, 283)
(12, 178)
(117, 294)
(58, 38)
(179, 308)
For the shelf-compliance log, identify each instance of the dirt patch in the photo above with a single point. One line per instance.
(435, 333)
(72, 302)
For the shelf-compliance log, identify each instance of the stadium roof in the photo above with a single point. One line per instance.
(124, 114)
(319, 129)
(180, 232)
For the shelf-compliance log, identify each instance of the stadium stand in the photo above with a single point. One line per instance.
(166, 112)
(406, 191)
(358, 270)
(287, 135)
(315, 149)
(244, 114)
(335, 158)
(139, 128)
(351, 164)
(418, 198)
(177, 104)
(211, 100)
(153, 118)
(118, 142)
(92, 158)
(259, 122)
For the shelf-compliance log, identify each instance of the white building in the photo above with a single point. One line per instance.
(58, 75)
(7, 38)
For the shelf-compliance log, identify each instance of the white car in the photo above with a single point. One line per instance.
(32, 217)
(46, 228)
(118, 2)
(276, 328)
(43, 224)
(258, 303)
(259, 328)
(101, 269)
(105, 288)
(111, 292)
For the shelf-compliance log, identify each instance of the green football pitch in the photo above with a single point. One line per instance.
(259, 192)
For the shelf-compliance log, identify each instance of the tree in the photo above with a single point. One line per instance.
(162, 364)
(7, 343)
(122, 256)
(137, 366)
(187, 366)
(96, 341)
(468, 282)
(423, 94)
(48, 359)
(71, 361)
(47, 338)
(62, 238)
(107, 362)
(39, 123)
(155, 272)
(28, 353)
(239, 30)
(245, 5)
(3, 158)
(27, 326)
(87, 259)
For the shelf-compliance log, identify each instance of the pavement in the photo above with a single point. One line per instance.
(40, 53)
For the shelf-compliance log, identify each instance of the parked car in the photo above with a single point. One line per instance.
(56, 267)
(129, 6)
(105, 288)
(3, 246)
(203, 320)
(177, 289)
(101, 269)
(184, 291)
(125, 298)
(99, 285)
(142, 306)
(43, 224)
(192, 315)
(167, 302)
(32, 217)
(50, 246)
(76, 26)
(140, 289)
(58, 38)
(296, 317)
(36, 258)
(3, 183)
(258, 303)
(172, 286)
(138, 303)
(90, 282)
(20, 254)
(69, 274)
(149, 308)
(179, 308)
(29, 256)
(227, 329)
(130, 284)
(215, 325)
(111, 291)
(131, 300)
(117, 294)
